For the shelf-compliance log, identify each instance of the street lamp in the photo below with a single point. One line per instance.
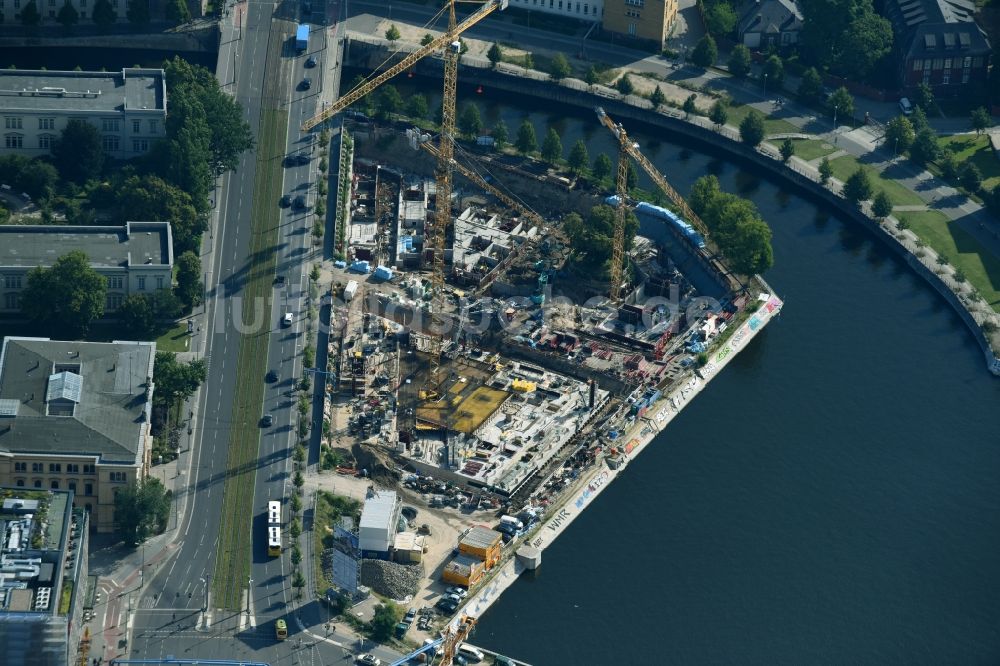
(835, 109)
(895, 142)
(765, 84)
(204, 605)
(249, 588)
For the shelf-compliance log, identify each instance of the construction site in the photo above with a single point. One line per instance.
(474, 370)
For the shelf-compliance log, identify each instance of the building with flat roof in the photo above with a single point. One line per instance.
(76, 416)
(129, 108)
(483, 544)
(43, 576)
(136, 258)
(641, 20)
(377, 528)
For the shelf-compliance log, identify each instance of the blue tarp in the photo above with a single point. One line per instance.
(361, 267)
(383, 273)
(340, 264)
(686, 229)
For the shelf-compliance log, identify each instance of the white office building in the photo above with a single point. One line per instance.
(584, 10)
(129, 108)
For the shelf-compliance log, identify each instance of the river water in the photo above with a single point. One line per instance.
(831, 498)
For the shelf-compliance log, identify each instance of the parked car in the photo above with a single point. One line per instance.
(459, 592)
(410, 614)
(905, 106)
(369, 660)
(447, 606)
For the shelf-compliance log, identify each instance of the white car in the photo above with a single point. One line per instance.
(905, 106)
(369, 660)
(459, 592)
(287, 319)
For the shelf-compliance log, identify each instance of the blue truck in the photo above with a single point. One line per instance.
(302, 38)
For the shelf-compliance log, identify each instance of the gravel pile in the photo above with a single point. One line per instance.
(391, 579)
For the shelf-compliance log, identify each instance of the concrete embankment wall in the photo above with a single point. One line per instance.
(204, 40)
(364, 54)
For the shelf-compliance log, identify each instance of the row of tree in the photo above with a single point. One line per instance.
(104, 14)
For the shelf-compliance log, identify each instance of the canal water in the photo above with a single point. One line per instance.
(831, 498)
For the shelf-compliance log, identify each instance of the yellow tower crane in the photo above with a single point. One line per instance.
(627, 149)
(436, 233)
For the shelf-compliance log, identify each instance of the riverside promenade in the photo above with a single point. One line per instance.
(600, 476)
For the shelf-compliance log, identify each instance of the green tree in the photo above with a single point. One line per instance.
(559, 67)
(30, 16)
(136, 316)
(742, 236)
(980, 119)
(718, 114)
(750, 250)
(657, 97)
(384, 621)
(142, 509)
(882, 205)
(858, 187)
(500, 134)
(867, 40)
(469, 121)
(689, 105)
(703, 193)
(810, 87)
(602, 167)
(624, 85)
(841, 103)
(899, 134)
(66, 297)
(592, 238)
(176, 381)
(34, 177)
(552, 149)
(388, 102)
(152, 198)
(824, 24)
(189, 285)
(705, 52)
(787, 150)
(177, 11)
(495, 54)
(416, 107)
(752, 128)
(104, 15)
(721, 19)
(591, 77)
(774, 70)
(948, 164)
(426, 39)
(78, 153)
(739, 61)
(825, 171)
(138, 12)
(392, 34)
(971, 177)
(526, 142)
(578, 158)
(919, 120)
(68, 16)
(925, 148)
(924, 97)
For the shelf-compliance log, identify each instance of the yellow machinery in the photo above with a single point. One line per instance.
(627, 149)
(454, 638)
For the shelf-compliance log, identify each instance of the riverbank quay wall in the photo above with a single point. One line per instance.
(369, 52)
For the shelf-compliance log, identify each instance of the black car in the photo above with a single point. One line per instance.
(310, 62)
(300, 202)
(271, 376)
(306, 84)
(285, 201)
(301, 159)
(447, 606)
(267, 421)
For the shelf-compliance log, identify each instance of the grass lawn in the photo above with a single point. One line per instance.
(975, 149)
(174, 339)
(811, 149)
(846, 165)
(963, 251)
(771, 125)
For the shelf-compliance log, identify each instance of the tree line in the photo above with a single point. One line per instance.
(104, 15)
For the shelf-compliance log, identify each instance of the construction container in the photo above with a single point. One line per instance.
(522, 386)
(350, 290)
(408, 547)
(463, 570)
(482, 543)
(383, 273)
(361, 267)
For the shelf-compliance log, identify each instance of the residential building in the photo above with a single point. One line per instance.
(129, 108)
(769, 23)
(584, 10)
(136, 258)
(938, 42)
(76, 416)
(43, 576)
(641, 20)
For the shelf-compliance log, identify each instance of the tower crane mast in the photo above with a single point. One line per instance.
(627, 148)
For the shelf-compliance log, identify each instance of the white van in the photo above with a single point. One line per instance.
(905, 106)
(470, 653)
(513, 522)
